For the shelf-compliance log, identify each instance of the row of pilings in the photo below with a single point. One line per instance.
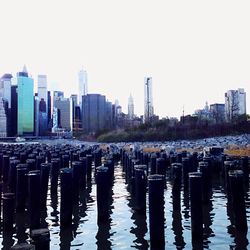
(29, 171)
(193, 174)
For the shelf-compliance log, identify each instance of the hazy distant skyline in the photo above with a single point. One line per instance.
(194, 50)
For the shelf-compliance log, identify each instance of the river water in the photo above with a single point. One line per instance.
(129, 230)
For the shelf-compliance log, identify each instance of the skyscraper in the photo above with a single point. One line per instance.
(5, 88)
(43, 104)
(83, 84)
(65, 112)
(25, 107)
(5, 98)
(130, 107)
(3, 117)
(235, 103)
(148, 99)
(13, 114)
(93, 112)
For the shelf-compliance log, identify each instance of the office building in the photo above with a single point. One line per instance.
(3, 117)
(43, 104)
(49, 111)
(65, 113)
(235, 104)
(131, 107)
(108, 116)
(25, 103)
(5, 88)
(13, 113)
(83, 85)
(36, 115)
(217, 112)
(5, 95)
(148, 99)
(93, 112)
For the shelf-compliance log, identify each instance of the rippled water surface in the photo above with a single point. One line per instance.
(128, 229)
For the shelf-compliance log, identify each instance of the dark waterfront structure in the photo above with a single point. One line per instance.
(93, 113)
(13, 113)
(118, 198)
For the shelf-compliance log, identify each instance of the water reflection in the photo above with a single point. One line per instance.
(103, 234)
(21, 225)
(8, 240)
(178, 230)
(140, 226)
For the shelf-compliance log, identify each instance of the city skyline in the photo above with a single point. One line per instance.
(194, 51)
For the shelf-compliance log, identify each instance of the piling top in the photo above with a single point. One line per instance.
(229, 163)
(76, 163)
(203, 163)
(235, 173)
(140, 167)
(185, 158)
(45, 165)
(30, 160)
(34, 172)
(41, 234)
(177, 165)
(155, 177)
(102, 169)
(66, 171)
(8, 196)
(23, 246)
(22, 166)
(195, 175)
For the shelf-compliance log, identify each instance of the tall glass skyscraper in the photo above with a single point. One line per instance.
(148, 99)
(93, 112)
(5, 104)
(83, 85)
(43, 105)
(25, 107)
(131, 113)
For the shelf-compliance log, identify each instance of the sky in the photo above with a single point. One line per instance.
(194, 50)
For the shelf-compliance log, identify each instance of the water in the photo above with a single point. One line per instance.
(129, 230)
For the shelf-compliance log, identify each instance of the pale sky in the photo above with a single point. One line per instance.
(194, 50)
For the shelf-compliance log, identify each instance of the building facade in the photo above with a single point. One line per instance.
(25, 103)
(93, 112)
(148, 99)
(43, 104)
(83, 85)
(131, 107)
(65, 113)
(5, 98)
(13, 113)
(217, 112)
(235, 104)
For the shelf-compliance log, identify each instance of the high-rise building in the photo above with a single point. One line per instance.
(131, 107)
(49, 111)
(25, 107)
(148, 99)
(13, 113)
(93, 112)
(65, 113)
(83, 84)
(43, 104)
(73, 104)
(36, 115)
(217, 112)
(5, 88)
(108, 115)
(235, 104)
(3, 117)
(5, 95)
